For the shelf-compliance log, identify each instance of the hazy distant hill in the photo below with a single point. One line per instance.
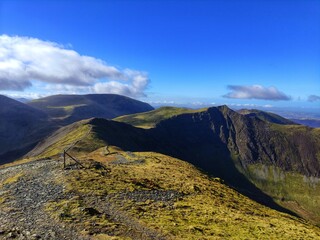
(308, 122)
(71, 108)
(247, 152)
(21, 127)
(266, 116)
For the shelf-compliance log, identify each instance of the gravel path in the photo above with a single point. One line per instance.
(21, 214)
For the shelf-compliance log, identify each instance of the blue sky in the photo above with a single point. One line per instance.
(258, 53)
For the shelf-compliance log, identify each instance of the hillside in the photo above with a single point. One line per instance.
(131, 195)
(21, 127)
(152, 118)
(277, 165)
(71, 108)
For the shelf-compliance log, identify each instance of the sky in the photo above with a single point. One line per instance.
(262, 53)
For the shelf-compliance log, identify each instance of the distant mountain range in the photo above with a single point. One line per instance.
(67, 109)
(22, 126)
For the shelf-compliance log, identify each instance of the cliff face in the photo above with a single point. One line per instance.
(247, 140)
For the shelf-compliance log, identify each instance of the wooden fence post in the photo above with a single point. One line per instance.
(64, 159)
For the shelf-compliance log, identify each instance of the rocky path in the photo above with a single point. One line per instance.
(23, 200)
(25, 189)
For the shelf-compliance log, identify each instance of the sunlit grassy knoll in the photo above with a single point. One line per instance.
(66, 140)
(206, 208)
(150, 119)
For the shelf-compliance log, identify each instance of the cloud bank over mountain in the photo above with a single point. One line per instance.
(256, 92)
(24, 60)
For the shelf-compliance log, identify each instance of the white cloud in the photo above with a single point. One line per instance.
(137, 83)
(24, 59)
(256, 92)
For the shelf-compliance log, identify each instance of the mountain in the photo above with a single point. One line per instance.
(266, 116)
(151, 118)
(67, 109)
(277, 165)
(21, 127)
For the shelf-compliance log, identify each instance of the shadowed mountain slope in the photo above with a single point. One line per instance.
(71, 108)
(21, 127)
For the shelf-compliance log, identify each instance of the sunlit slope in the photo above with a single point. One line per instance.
(144, 194)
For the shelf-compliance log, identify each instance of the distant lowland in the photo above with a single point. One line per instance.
(117, 168)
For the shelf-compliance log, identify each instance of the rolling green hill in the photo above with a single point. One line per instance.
(277, 165)
(67, 109)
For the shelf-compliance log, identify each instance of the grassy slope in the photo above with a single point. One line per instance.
(150, 119)
(208, 209)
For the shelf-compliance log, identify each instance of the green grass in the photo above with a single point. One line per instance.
(208, 209)
(150, 119)
(65, 141)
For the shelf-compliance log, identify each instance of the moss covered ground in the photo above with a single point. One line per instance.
(166, 196)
